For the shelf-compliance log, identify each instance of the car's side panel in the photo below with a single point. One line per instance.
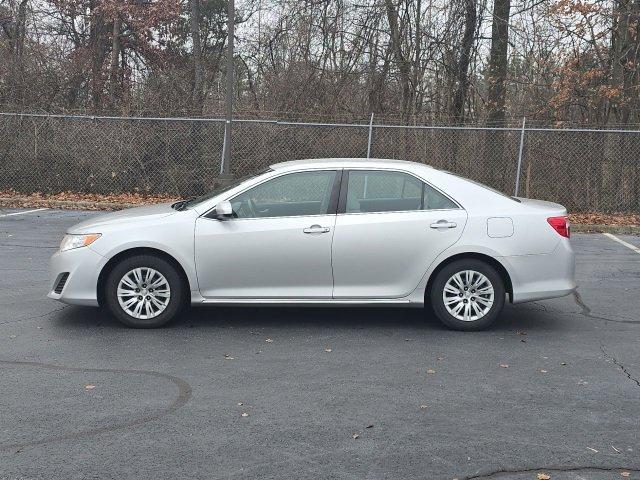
(264, 257)
(384, 255)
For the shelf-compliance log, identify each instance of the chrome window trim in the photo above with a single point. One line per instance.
(386, 169)
(288, 172)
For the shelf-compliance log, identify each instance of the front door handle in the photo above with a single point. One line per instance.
(443, 224)
(316, 229)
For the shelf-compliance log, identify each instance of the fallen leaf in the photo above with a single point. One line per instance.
(542, 370)
(269, 340)
(504, 365)
(543, 476)
(328, 350)
(89, 387)
(431, 371)
(625, 474)
(592, 449)
(355, 436)
(244, 414)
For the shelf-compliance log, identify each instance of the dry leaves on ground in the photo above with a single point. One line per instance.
(41, 199)
(89, 387)
(543, 476)
(617, 219)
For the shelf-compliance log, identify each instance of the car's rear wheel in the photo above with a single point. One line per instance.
(144, 291)
(467, 294)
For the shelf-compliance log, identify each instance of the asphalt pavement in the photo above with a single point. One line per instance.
(300, 393)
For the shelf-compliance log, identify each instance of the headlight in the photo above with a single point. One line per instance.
(70, 242)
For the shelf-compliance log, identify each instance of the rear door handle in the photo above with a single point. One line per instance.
(443, 224)
(316, 229)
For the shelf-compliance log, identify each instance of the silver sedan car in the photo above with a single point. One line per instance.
(332, 232)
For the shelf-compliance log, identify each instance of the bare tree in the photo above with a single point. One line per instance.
(498, 62)
(462, 70)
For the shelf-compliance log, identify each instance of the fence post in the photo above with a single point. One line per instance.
(517, 188)
(370, 138)
(225, 165)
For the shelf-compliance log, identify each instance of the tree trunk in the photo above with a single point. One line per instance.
(115, 56)
(20, 28)
(625, 49)
(403, 64)
(98, 51)
(460, 96)
(198, 68)
(497, 70)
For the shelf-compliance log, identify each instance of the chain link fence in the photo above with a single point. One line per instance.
(584, 169)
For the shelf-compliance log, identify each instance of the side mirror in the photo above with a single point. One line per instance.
(223, 210)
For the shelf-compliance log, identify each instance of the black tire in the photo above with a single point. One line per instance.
(441, 279)
(177, 298)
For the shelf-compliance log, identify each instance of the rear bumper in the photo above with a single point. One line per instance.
(538, 277)
(83, 266)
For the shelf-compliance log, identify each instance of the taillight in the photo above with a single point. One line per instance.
(560, 225)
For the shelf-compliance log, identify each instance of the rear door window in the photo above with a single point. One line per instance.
(371, 191)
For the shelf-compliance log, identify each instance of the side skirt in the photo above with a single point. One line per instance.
(319, 302)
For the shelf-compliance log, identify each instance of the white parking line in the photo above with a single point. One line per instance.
(22, 213)
(622, 242)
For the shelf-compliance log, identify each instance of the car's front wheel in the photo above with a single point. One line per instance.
(467, 294)
(144, 291)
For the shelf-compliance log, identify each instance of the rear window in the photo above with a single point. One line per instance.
(484, 186)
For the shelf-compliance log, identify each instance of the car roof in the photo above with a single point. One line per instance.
(345, 163)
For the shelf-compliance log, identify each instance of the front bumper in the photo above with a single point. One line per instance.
(83, 266)
(538, 277)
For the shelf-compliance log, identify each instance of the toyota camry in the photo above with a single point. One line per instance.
(332, 232)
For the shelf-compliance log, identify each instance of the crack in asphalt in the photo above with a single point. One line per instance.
(39, 247)
(36, 317)
(586, 311)
(184, 394)
(557, 469)
(617, 363)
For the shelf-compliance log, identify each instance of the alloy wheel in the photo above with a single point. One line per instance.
(143, 293)
(468, 295)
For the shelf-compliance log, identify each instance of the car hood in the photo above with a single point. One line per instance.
(148, 212)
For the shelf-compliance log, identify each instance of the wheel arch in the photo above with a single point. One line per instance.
(113, 261)
(502, 271)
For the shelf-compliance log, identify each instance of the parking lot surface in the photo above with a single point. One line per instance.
(260, 393)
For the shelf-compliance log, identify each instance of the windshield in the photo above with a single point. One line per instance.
(213, 193)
